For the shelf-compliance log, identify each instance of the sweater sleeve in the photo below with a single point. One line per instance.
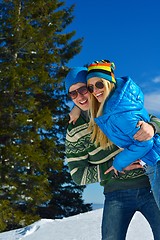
(156, 123)
(82, 172)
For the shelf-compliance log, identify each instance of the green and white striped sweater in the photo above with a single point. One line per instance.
(88, 163)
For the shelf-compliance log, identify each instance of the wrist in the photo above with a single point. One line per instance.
(154, 126)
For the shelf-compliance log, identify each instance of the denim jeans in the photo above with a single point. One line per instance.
(119, 208)
(153, 173)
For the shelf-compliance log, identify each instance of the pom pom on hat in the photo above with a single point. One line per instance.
(102, 69)
(75, 75)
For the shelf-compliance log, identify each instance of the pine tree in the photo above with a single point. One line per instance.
(35, 48)
(67, 198)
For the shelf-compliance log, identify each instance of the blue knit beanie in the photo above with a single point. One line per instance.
(76, 75)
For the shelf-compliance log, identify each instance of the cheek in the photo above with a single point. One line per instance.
(74, 101)
(87, 95)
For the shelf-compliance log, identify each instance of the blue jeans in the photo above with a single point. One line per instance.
(119, 208)
(153, 173)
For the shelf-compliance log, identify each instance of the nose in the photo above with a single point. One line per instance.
(95, 89)
(80, 96)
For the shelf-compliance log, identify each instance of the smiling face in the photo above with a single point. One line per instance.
(98, 88)
(82, 99)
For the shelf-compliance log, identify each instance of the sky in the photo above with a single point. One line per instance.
(86, 226)
(127, 33)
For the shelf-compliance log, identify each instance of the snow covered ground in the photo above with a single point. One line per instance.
(84, 226)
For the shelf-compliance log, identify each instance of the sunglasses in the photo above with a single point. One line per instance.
(98, 84)
(82, 91)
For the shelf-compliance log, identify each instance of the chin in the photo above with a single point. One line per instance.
(84, 108)
(99, 100)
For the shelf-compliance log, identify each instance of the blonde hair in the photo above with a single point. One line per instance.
(96, 110)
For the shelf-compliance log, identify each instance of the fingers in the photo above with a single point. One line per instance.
(139, 123)
(115, 171)
(145, 133)
(74, 114)
(73, 119)
(133, 166)
(137, 161)
(108, 170)
(138, 134)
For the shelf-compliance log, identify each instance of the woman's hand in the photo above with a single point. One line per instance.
(74, 114)
(115, 171)
(145, 133)
(132, 166)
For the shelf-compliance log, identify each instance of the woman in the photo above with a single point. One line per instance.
(116, 107)
(124, 194)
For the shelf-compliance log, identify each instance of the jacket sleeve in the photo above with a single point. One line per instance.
(127, 126)
(132, 153)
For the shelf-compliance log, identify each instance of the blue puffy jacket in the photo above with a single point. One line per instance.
(121, 113)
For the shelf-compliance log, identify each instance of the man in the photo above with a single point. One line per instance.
(124, 194)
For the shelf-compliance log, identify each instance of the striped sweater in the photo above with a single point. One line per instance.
(88, 163)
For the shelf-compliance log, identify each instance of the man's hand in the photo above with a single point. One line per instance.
(145, 133)
(74, 114)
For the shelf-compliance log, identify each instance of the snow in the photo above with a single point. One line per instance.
(86, 226)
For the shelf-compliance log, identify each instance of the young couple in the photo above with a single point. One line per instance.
(91, 155)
